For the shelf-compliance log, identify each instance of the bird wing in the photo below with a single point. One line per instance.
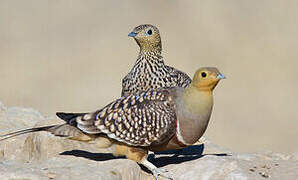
(137, 120)
(126, 85)
(183, 80)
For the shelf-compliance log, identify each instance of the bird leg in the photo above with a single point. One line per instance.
(155, 171)
(140, 155)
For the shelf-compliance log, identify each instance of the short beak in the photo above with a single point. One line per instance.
(221, 76)
(132, 34)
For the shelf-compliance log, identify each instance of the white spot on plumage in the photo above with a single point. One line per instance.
(140, 121)
(133, 102)
(87, 116)
(144, 124)
(110, 116)
(147, 141)
(149, 134)
(101, 127)
(102, 113)
(79, 119)
(136, 125)
(125, 106)
(118, 121)
(120, 128)
(115, 115)
(129, 118)
(112, 128)
(131, 129)
(127, 125)
(112, 136)
(107, 122)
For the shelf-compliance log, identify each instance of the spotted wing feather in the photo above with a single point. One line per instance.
(137, 120)
(180, 78)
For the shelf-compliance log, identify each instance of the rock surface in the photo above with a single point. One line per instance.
(41, 155)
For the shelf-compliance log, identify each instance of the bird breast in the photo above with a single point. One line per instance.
(193, 117)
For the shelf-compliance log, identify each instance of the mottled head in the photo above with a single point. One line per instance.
(206, 78)
(147, 36)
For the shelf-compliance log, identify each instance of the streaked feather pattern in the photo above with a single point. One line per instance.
(137, 120)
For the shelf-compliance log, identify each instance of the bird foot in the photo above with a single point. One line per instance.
(156, 171)
(162, 172)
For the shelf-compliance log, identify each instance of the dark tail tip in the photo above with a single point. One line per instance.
(69, 117)
(62, 115)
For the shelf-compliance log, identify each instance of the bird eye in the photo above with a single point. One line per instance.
(203, 74)
(149, 32)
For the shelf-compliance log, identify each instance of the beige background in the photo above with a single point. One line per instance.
(70, 55)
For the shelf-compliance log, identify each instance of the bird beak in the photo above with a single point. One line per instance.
(221, 76)
(132, 34)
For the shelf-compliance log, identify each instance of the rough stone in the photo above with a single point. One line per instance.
(41, 155)
(64, 168)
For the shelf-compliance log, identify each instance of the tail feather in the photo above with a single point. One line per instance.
(25, 131)
(65, 130)
(69, 117)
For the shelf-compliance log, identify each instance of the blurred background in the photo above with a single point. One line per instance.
(71, 56)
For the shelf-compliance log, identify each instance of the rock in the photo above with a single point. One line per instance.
(43, 145)
(209, 161)
(2, 107)
(295, 156)
(16, 118)
(234, 166)
(34, 146)
(43, 156)
(64, 168)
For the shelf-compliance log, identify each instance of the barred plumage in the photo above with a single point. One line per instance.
(134, 120)
(149, 71)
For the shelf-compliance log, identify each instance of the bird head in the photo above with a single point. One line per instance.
(206, 78)
(147, 36)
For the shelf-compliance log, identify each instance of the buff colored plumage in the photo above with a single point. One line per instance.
(156, 120)
(150, 71)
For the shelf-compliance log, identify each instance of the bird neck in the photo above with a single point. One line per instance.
(155, 48)
(155, 51)
(153, 58)
(197, 100)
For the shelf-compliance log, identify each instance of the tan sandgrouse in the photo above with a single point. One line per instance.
(156, 120)
(150, 71)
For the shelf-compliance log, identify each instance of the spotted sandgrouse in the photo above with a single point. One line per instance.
(150, 71)
(155, 120)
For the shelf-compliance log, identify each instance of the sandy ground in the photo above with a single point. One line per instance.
(71, 56)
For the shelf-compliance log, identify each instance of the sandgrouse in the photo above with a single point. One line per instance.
(155, 120)
(149, 71)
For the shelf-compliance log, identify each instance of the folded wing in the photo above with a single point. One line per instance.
(137, 120)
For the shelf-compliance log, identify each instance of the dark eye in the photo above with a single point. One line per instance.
(149, 32)
(203, 74)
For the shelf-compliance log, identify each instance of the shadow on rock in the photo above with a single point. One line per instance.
(190, 153)
(91, 156)
(159, 159)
